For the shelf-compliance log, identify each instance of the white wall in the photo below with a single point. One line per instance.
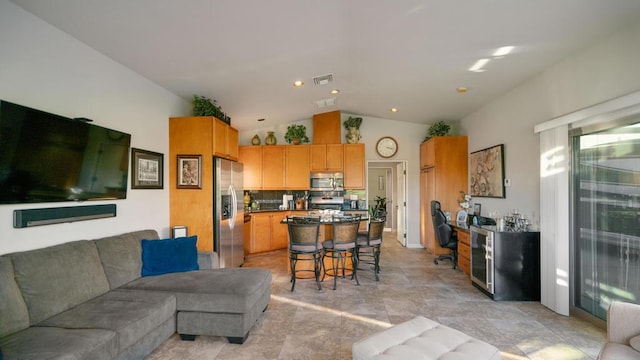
(603, 71)
(43, 68)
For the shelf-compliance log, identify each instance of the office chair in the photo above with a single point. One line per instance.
(447, 238)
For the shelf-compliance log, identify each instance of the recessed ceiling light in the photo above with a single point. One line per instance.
(261, 119)
(394, 110)
(298, 83)
(461, 89)
(334, 91)
(478, 66)
(503, 51)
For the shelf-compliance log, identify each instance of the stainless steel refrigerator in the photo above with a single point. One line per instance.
(228, 212)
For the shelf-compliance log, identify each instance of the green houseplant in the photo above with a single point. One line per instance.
(439, 128)
(379, 210)
(352, 124)
(296, 134)
(203, 106)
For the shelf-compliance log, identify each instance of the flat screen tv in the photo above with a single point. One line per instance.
(51, 158)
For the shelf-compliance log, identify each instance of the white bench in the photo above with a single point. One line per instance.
(421, 338)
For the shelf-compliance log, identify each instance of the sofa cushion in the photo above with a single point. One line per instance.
(617, 351)
(37, 343)
(169, 256)
(57, 278)
(121, 256)
(131, 314)
(635, 342)
(227, 290)
(13, 310)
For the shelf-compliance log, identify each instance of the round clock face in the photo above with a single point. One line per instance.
(387, 147)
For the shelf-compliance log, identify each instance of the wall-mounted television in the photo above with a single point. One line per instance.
(50, 158)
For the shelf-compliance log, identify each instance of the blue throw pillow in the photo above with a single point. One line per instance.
(169, 255)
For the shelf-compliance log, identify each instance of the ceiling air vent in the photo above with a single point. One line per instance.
(323, 79)
(326, 102)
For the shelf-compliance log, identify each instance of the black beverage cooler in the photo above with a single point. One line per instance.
(515, 264)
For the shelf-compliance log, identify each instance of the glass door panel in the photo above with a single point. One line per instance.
(606, 213)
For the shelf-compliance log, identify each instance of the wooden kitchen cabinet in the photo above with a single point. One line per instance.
(251, 158)
(260, 232)
(354, 166)
(225, 140)
(444, 175)
(326, 157)
(427, 154)
(279, 232)
(464, 250)
(192, 208)
(326, 128)
(273, 167)
(246, 237)
(267, 233)
(297, 167)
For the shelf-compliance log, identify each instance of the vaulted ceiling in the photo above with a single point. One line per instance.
(407, 54)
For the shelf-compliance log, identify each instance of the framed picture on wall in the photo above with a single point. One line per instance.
(146, 169)
(486, 169)
(189, 172)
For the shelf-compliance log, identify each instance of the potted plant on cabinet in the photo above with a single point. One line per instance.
(352, 124)
(439, 128)
(296, 134)
(203, 106)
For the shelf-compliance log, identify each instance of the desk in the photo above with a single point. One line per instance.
(464, 247)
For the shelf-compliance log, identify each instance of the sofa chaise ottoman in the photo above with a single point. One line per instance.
(88, 300)
(422, 338)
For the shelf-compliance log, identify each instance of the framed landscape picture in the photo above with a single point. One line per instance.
(146, 169)
(189, 172)
(487, 172)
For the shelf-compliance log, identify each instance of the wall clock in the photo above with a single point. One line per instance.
(387, 146)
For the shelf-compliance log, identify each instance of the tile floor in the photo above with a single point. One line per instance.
(313, 324)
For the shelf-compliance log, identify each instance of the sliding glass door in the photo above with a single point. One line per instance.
(606, 217)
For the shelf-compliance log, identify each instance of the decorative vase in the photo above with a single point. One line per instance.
(296, 141)
(255, 140)
(270, 139)
(353, 135)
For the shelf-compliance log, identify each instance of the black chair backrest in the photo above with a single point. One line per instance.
(441, 229)
(376, 228)
(346, 230)
(303, 233)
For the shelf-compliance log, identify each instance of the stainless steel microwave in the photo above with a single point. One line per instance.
(326, 181)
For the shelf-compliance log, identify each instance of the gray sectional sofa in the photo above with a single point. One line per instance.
(87, 300)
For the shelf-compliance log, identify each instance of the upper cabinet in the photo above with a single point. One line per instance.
(287, 167)
(297, 167)
(326, 157)
(428, 153)
(273, 167)
(251, 157)
(326, 128)
(354, 166)
(225, 141)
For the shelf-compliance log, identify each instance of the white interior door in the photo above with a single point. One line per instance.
(401, 196)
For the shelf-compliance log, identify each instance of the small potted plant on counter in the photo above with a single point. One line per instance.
(296, 134)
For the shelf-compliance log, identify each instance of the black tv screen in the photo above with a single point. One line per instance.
(50, 158)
